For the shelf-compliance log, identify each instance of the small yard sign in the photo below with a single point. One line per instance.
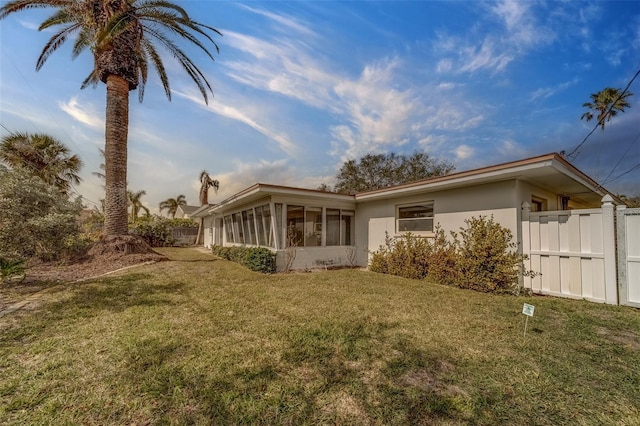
(528, 309)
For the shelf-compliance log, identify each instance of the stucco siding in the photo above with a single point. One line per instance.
(451, 209)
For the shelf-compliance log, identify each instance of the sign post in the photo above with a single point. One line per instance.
(527, 310)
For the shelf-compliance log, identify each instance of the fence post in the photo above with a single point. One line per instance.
(526, 242)
(608, 229)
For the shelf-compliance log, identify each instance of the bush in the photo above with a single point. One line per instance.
(406, 256)
(487, 257)
(156, 231)
(11, 268)
(35, 218)
(482, 257)
(259, 259)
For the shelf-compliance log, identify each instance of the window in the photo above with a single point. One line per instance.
(415, 218)
(295, 226)
(348, 226)
(333, 227)
(228, 228)
(313, 227)
(538, 204)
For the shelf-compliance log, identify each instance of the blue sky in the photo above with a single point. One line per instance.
(301, 87)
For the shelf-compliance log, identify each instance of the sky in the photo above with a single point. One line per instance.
(302, 86)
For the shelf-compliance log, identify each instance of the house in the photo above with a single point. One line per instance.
(185, 212)
(315, 229)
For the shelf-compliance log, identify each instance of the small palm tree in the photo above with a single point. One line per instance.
(206, 182)
(43, 156)
(172, 204)
(135, 204)
(606, 105)
(123, 37)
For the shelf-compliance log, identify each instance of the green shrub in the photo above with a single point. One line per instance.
(35, 218)
(487, 257)
(156, 231)
(259, 259)
(406, 256)
(481, 257)
(11, 268)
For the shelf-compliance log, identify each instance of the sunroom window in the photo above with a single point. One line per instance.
(415, 217)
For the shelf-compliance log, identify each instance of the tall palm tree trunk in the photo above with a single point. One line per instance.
(115, 153)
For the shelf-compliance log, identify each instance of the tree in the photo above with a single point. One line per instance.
(206, 182)
(43, 156)
(134, 200)
(35, 219)
(375, 171)
(123, 36)
(606, 105)
(172, 204)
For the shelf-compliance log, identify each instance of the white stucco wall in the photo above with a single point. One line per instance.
(451, 209)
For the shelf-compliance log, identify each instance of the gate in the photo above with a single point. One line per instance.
(573, 251)
(629, 256)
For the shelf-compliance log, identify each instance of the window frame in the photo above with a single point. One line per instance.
(399, 220)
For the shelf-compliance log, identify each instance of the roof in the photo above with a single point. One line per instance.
(550, 171)
(188, 209)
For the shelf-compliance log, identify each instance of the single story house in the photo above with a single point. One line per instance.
(315, 229)
(185, 212)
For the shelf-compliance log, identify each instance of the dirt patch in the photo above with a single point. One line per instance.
(106, 256)
(626, 338)
(429, 380)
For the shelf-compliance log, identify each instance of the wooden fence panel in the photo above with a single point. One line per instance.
(570, 249)
(629, 256)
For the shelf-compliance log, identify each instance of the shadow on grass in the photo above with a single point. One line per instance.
(115, 294)
(356, 372)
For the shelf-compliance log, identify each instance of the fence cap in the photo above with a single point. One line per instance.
(607, 199)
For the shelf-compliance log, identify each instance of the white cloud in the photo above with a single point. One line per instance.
(464, 152)
(84, 114)
(235, 114)
(546, 92)
(288, 22)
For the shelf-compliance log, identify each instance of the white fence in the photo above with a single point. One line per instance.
(629, 256)
(573, 251)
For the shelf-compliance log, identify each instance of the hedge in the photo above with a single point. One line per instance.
(257, 259)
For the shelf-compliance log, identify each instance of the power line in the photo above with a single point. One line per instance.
(623, 174)
(623, 156)
(600, 122)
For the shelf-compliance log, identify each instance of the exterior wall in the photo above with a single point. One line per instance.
(317, 257)
(209, 230)
(451, 208)
(305, 257)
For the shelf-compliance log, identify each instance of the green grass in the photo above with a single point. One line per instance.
(204, 341)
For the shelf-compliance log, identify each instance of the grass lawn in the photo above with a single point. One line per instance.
(204, 341)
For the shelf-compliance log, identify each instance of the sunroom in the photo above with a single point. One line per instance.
(306, 228)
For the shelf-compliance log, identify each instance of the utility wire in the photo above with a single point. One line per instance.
(625, 173)
(575, 150)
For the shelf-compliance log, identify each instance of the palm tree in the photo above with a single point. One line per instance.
(205, 183)
(135, 203)
(172, 204)
(122, 36)
(606, 104)
(43, 156)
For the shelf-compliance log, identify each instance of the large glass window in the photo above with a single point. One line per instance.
(260, 236)
(278, 208)
(295, 226)
(237, 228)
(416, 217)
(333, 227)
(266, 226)
(348, 226)
(249, 226)
(228, 229)
(313, 227)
